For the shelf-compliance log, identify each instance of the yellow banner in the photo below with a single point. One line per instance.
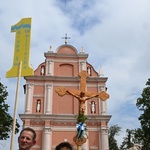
(21, 48)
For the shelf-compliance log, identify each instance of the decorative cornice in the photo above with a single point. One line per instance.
(62, 55)
(65, 78)
(67, 118)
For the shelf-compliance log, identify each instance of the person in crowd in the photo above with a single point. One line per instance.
(26, 139)
(64, 146)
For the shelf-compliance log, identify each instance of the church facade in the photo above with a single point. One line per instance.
(54, 117)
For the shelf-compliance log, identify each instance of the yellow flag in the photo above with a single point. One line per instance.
(21, 48)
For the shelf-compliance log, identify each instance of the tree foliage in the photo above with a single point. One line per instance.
(128, 141)
(143, 104)
(112, 132)
(141, 135)
(6, 120)
(138, 136)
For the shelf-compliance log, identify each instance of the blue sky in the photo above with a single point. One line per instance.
(115, 34)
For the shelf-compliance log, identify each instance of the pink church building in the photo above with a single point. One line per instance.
(52, 116)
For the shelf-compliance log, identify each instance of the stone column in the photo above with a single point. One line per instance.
(29, 95)
(82, 66)
(103, 103)
(48, 99)
(46, 140)
(104, 139)
(85, 146)
(50, 70)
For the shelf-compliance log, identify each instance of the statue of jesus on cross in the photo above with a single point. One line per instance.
(82, 97)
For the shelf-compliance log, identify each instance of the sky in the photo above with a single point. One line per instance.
(115, 34)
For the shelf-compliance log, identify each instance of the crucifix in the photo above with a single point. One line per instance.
(82, 95)
(66, 38)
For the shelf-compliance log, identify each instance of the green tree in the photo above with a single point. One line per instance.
(138, 136)
(128, 141)
(143, 104)
(112, 132)
(6, 120)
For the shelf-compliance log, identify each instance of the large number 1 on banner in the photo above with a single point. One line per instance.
(21, 48)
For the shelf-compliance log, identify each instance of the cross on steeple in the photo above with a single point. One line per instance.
(66, 38)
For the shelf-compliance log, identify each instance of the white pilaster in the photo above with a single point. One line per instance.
(82, 65)
(48, 99)
(49, 67)
(103, 103)
(104, 139)
(85, 146)
(29, 95)
(46, 141)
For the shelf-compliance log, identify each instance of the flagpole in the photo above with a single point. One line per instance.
(79, 148)
(16, 106)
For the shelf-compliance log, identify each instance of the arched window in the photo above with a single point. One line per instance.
(38, 106)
